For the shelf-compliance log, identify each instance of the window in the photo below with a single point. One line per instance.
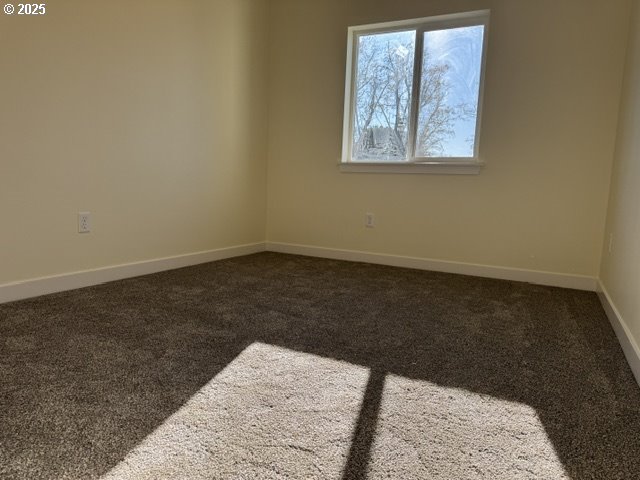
(414, 95)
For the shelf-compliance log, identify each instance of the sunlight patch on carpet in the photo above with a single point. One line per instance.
(271, 413)
(429, 431)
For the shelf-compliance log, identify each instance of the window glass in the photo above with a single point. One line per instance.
(449, 91)
(383, 87)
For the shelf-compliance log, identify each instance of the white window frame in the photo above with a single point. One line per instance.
(442, 165)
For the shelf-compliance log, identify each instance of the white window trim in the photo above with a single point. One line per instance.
(442, 165)
(450, 167)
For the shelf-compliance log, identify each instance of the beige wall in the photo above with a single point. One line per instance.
(551, 102)
(620, 273)
(151, 114)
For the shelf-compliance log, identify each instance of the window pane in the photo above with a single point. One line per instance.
(449, 92)
(384, 79)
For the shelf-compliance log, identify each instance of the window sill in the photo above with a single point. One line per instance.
(434, 168)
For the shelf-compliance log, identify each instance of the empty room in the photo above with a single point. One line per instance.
(320, 239)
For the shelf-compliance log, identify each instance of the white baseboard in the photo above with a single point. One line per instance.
(629, 345)
(58, 283)
(69, 281)
(578, 282)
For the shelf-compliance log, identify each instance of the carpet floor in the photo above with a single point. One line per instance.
(275, 366)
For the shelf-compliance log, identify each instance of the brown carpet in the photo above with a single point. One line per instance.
(274, 366)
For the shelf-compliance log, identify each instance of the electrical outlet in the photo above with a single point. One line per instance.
(84, 222)
(369, 220)
(610, 242)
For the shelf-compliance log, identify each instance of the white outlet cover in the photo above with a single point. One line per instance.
(84, 222)
(369, 220)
